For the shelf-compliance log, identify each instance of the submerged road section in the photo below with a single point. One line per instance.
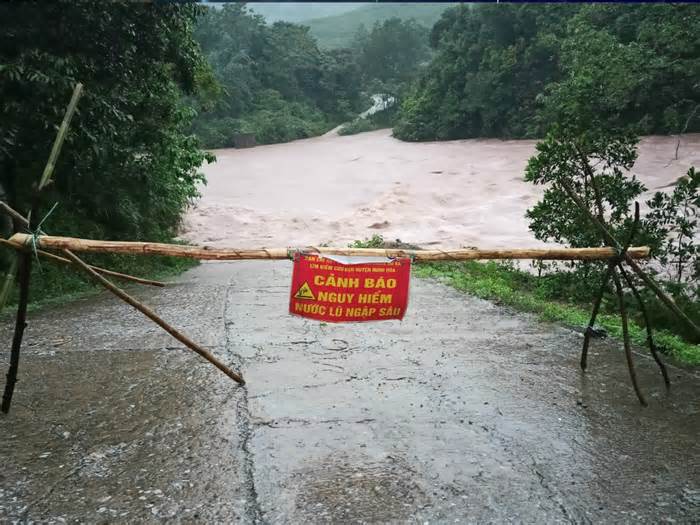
(462, 412)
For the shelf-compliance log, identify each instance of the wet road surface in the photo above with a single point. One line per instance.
(463, 412)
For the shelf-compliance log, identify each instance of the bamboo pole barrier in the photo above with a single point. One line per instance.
(8, 210)
(103, 271)
(229, 254)
(155, 318)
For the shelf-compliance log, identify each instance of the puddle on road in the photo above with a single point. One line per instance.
(118, 436)
(341, 490)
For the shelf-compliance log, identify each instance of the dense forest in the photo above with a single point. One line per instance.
(129, 166)
(277, 84)
(503, 70)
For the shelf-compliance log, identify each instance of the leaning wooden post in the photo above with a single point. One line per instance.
(608, 273)
(663, 296)
(626, 337)
(25, 258)
(591, 323)
(154, 317)
(647, 324)
(25, 268)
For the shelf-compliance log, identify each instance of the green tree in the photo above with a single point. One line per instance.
(392, 51)
(491, 62)
(275, 81)
(128, 168)
(497, 67)
(674, 218)
(594, 165)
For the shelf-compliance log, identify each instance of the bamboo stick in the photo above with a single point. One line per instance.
(230, 254)
(103, 271)
(154, 317)
(594, 314)
(626, 337)
(647, 325)
(60, 137)
(25, 268)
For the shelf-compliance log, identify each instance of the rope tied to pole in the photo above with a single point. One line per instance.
(33, 240)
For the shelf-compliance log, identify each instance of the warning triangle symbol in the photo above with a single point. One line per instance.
(304, 292)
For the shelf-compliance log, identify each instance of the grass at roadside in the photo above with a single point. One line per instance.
(54, 284)
(522, 291)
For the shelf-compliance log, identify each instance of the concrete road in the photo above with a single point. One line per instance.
(463, 412)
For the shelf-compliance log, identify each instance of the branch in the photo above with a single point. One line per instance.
(153, 317)
(609, 238)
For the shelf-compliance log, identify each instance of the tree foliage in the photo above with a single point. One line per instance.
(594, 165)
(127, 169)
(276, 83)
(502, 70)
(491, 63)
(675, 218)
(392, 51)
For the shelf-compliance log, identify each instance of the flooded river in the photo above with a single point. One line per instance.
(337, 189)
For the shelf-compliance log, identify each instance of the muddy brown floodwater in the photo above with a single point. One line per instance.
(465, 411)
(338, 189)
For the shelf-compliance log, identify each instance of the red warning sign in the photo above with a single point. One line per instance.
(327, 290)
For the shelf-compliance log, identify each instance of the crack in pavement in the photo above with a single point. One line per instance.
(305, 387)
(252, 504)
(289, 422)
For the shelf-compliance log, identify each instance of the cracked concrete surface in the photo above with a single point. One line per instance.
(463, 412)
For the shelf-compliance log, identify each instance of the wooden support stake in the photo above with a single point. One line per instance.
(647, 324)
(25, 259)
(25, 268)
(629, 259)
(626, 337)
(596, 307)
(154, 317)
(60, 137)
(229, 254)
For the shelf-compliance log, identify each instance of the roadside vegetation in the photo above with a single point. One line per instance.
(588, 80)
(556, 297)
(545, 296)
(129, 167)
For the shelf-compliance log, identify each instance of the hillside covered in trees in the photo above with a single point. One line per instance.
(502, 70)
(275, 82)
